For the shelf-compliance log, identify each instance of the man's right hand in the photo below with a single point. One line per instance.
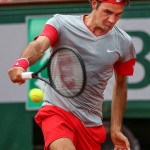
(15, 75)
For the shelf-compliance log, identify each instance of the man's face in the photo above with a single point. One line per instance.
(107, 15)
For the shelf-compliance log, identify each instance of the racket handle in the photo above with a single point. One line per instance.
(27, 75)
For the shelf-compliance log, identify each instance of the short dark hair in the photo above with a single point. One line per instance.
(99, 2)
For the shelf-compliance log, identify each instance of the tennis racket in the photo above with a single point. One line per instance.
(66, 72)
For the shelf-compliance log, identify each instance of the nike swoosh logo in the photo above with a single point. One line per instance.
(109, 51)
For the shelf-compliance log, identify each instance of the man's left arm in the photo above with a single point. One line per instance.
(119, 100)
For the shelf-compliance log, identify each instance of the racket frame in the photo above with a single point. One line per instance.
(82, 65)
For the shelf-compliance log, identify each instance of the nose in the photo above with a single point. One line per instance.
(112, 19)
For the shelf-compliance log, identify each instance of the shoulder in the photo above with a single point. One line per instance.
(122, 35)
(125, 44)
(67, 18)
(59, 21)
(66, 22)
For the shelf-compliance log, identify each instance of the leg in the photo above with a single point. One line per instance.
(62, 144)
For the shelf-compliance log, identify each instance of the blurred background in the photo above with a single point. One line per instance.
(20, 22)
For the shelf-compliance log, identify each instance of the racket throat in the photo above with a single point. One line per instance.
(34, 75)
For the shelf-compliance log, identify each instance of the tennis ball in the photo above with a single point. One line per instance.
(36, 95)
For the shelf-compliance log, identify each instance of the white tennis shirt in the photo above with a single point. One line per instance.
(101, 54)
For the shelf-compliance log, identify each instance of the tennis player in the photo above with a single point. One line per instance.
(76, 123)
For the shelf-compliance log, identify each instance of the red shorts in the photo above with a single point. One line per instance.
(57, 123)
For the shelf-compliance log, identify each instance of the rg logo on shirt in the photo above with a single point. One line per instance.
(66, 73)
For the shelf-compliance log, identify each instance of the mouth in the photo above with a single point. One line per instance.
(110, 25)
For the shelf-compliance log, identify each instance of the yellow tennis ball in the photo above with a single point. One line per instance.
(36, 95)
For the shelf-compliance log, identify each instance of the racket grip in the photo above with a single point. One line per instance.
(27, 75)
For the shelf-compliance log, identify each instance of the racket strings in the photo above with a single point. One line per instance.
(66, 73)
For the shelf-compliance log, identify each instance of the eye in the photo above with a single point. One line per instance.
(108, 12)
(119, 14)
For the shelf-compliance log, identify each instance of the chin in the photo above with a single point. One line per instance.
(108, 28)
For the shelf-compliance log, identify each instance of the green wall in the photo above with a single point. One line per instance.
(17, 14)
(16, 127)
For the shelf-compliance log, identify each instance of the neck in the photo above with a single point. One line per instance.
(91, 23)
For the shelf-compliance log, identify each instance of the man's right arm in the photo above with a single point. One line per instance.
(36, 49)
(32, 53)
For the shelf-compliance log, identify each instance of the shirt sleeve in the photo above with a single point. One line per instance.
(125, 65)
(51, 30)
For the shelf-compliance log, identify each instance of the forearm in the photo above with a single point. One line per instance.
(35, 50)
(32, 53)
(118, 105)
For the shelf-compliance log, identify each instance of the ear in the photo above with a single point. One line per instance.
(94, 4)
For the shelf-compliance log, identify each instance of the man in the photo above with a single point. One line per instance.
(76, 123)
